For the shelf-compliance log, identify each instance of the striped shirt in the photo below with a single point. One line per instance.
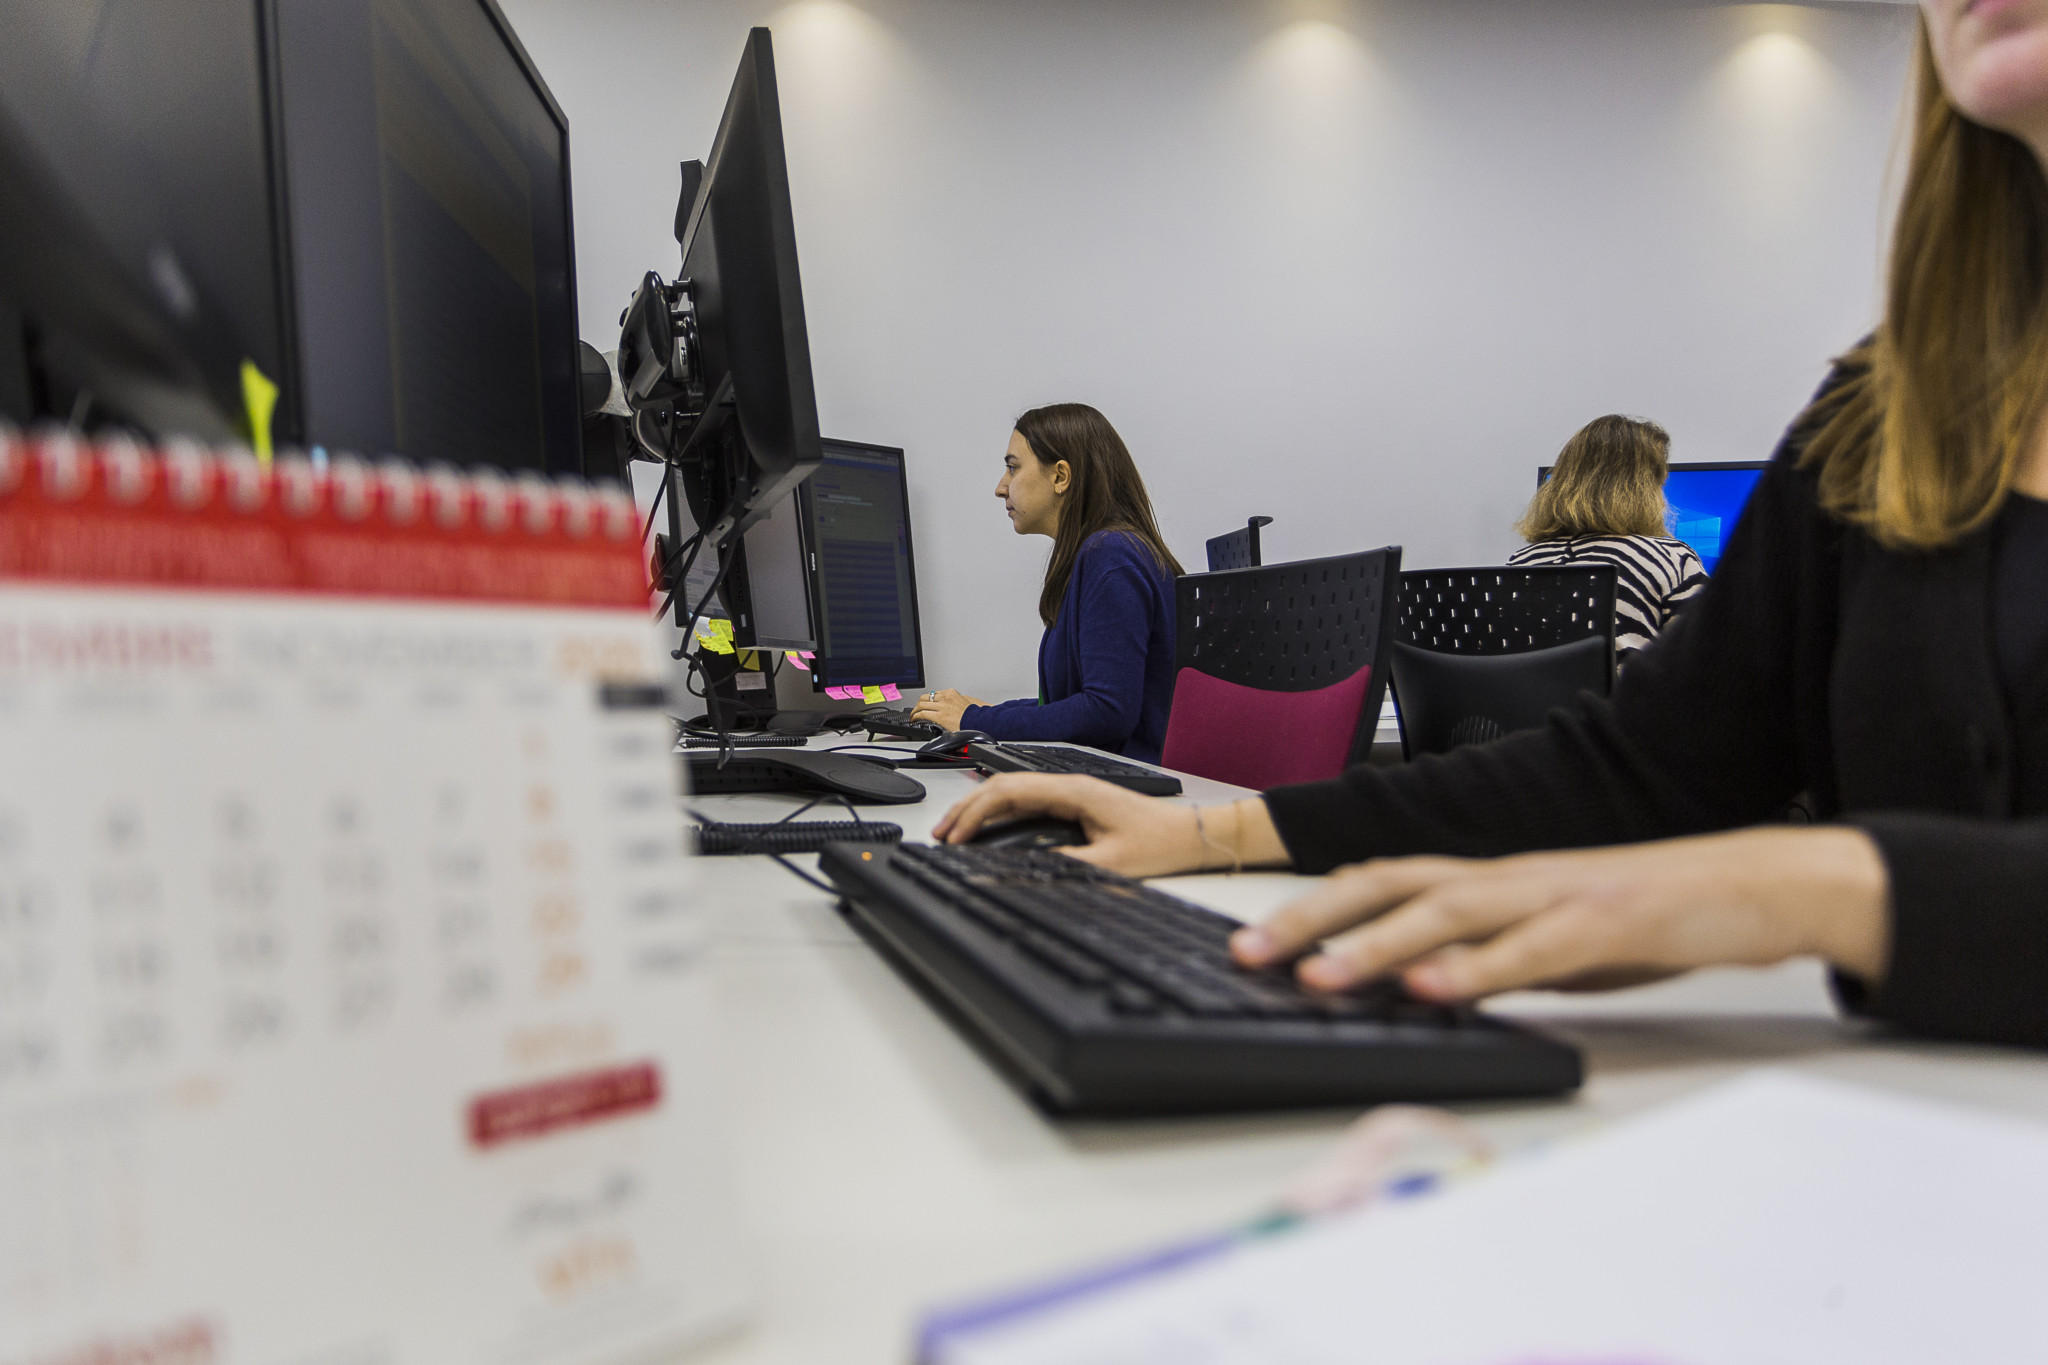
(1653, 577)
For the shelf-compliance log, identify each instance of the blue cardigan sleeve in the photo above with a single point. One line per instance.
(1113, 601)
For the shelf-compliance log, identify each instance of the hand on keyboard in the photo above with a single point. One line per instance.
(944, 707)
(1458, 929)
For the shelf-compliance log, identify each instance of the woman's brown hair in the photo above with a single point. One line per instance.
(1919, 439)
(1104, 492)
(1608, 481)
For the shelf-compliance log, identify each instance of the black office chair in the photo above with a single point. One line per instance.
(1480, 653)
(1279, 670)
(1237, 549)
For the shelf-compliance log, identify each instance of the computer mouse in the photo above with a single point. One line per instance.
(953, 743)
(1038, 831)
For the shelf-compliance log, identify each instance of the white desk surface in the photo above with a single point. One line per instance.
(883, 1167)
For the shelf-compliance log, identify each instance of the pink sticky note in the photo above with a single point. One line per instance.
(809, 654)
(843, 693)
(799, 660)
(889, 691)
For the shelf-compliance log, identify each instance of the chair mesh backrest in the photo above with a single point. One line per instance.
(1481, 653)
(1237, 549)
(1505, 610)
(1278, 671)
(1286, 627)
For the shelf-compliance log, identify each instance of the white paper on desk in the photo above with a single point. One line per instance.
(1776, 1220)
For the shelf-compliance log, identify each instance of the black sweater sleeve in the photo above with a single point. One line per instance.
(1969, 916)
(1705, 731)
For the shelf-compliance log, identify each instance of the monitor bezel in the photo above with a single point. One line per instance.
(1687, 467)
(808, 520)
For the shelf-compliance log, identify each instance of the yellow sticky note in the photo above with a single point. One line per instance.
(749, 659)
(871, 695)
(259, 396)
(715, 634)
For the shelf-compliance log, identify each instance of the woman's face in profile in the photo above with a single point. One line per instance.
(1993, 60)
(1031, 491)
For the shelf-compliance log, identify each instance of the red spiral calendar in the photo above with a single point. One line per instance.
(351, 1006)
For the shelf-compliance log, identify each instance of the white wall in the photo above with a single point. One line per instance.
(1358, 266)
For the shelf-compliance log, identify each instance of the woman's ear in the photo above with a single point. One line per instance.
(1062, 478)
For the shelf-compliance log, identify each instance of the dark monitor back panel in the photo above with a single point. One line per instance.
(1706, 499)
(739, 252)
(856, 511)
(136, 229)
(426, 173)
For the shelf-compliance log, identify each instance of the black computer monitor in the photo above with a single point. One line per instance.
(137, 259)
(366, 202)
(429, 254)
(767, 588)
(739, 254)
(716, 367)
(856, 518)
(1706, 498)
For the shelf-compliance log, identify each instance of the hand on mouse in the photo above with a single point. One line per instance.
(1592, 919)
(1139, 836)
(944, 708)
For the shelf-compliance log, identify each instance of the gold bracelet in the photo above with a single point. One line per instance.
(1202, 833)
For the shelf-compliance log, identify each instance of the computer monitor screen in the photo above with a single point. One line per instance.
(427, 172)
(137, 259)
(856, 513)
(1705, 500)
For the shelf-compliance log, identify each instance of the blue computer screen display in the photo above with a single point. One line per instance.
(1704, 506)
(1705, 501)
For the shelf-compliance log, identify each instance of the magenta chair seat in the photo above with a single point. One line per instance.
(1298, 736)
(1279, 672)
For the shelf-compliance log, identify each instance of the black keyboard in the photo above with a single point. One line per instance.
(1058, 758)
(1109, 996)
(899, 724)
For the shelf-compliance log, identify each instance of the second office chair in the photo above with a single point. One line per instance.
(1237, 549)
(1484, 652)
(1280, 670)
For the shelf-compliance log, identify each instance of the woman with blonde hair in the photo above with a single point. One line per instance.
(1604, 504)
(1876, 635)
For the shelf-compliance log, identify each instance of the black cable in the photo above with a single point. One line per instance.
(725, 747)
(881, 828)
(648, 525)
(682, 579)
(802, 875)
(701, 818)
(804, 836)
(725, 562)
(798, 872)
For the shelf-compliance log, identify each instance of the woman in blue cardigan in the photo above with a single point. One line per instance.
(1105, 664)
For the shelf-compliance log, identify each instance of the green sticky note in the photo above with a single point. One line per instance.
(871, 695)
(259, 396)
